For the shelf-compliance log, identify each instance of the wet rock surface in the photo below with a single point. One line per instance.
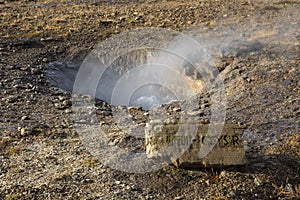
(41, 154)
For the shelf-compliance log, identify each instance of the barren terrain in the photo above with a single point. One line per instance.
(42, 156)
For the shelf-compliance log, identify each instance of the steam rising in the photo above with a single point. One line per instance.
(167, 67)
(146, 76)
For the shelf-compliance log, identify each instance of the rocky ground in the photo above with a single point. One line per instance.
(41, 154)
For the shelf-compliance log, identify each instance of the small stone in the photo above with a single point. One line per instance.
(179, 198)
(45, 60)
(289, 188)
(46, 39)
(170, 121)
(11, 99)
(103, 123)
(257, 181)
(148, 23)
(122, 18)
(195, 113)
(223, 174)
(35, 71)
(24, 68)
(66, 103)
(24, 117)
(203, 106)
(249, 80)
(137, 18)
(292, 70)
(212, 23)
(207, 182)
(176, 109)
(88, 181)
(22, 132)
(231, 194)
(17, 86)
(68, 111)
(61, 98)
(133, 108)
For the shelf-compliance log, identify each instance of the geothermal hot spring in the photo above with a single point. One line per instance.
(146, 73)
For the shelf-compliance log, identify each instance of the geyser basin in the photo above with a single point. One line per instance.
(138, 74)
(144, 68)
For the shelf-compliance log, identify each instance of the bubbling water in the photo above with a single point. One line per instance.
(152, 95)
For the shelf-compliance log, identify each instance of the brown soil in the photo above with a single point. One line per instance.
(41, 155)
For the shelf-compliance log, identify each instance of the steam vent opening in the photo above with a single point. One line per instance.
(144, 78)
(151, 95)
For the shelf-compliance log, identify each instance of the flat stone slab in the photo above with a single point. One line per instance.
(195, 145)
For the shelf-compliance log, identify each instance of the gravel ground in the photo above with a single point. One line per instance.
(42, 156)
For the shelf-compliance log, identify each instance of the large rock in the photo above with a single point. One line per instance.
(188, 144)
